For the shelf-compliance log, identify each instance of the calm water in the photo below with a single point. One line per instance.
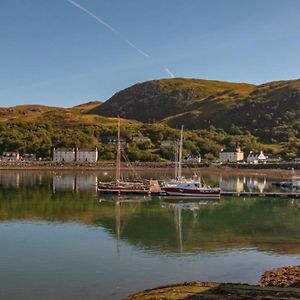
(60, 240)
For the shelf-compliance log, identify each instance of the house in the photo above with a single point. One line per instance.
(87, 155)
(10, 156)
(256, 157)
(141, 139)
(231, 155)
(64, 154)
(112, 140)
(168, 143)
(29, 157)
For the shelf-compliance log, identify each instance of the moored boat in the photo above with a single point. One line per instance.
(125, 187)
(190, 189)
(181, 187)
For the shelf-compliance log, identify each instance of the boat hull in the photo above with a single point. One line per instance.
(196, 193)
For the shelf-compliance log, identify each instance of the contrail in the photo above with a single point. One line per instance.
(169, 73)
(93, 16)
(113, 30)
(137, 49)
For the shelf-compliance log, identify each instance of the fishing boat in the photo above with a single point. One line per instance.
(181, 187)
(125, 187)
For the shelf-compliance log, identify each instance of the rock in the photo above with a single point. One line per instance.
(283, 277)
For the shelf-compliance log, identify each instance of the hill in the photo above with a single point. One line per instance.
(270, 111)
(159, 99)
(215, 114)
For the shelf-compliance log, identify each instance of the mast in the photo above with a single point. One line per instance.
(176, 160)
(118, 156)
(180, 153)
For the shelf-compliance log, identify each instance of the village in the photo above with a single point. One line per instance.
(234, 155)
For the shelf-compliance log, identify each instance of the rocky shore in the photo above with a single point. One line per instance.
(282, 283)
(282, 277)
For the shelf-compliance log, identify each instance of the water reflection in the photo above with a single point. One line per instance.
(63, 181)
(74, 182)
(74, 245)
(245, 184)
(167, 225)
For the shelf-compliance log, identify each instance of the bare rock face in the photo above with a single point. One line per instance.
(282, 277)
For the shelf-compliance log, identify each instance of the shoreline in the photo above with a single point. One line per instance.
(276, 284)
(257, 170)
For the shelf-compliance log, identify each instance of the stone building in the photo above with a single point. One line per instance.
(64, 154)
(87, 155)
(232, 155)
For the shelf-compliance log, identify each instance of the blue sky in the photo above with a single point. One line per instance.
(54, 53)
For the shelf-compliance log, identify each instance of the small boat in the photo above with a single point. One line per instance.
(187, 188)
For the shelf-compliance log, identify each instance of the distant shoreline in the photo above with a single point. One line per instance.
(276, 170)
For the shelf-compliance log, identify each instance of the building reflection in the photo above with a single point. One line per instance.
(15, 179)
(243, 183)
(255, 184)
(74, 182)
(232, 184)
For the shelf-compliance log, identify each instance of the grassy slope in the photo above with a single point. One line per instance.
(159, 99)
(270, 111)
(65, 117)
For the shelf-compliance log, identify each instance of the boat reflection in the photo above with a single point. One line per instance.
(118, 202)
(179, 204)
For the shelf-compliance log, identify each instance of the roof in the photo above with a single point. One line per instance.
(254, 153)
(64, 150)
(87, 150)
(229, 150)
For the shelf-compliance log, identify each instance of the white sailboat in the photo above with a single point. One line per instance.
(187, 187)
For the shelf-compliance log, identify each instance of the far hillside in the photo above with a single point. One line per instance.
(270, 111)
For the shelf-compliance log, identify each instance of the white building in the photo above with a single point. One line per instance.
(64, 154)
(231, 155)
(10, 156)
(256, 157)
(87, 155)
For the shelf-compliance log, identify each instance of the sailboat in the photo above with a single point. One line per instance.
(187, 187)
(125, 187)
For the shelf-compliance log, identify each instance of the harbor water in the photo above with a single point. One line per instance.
(61, 240)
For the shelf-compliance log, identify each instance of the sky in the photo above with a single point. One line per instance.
(67, 52)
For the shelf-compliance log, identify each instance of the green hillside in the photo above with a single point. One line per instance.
(269, 112)
(215, 114)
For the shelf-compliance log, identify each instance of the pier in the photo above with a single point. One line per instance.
(263, 194)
